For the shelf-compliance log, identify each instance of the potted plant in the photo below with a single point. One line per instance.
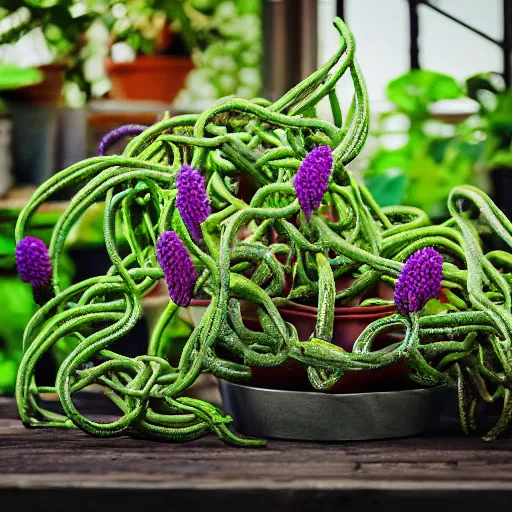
(175, 193)
(141, 66)
(51, 34)
(433, 155)
(493, 125)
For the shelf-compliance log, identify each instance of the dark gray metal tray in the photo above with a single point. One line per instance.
(312, 416)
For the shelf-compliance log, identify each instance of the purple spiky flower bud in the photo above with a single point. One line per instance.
(127, 130)
(312, 179)
(192, 200)
(419, 280)
(33, 262)
(179, 270)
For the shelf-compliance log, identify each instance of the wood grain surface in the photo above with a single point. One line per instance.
(53, 469)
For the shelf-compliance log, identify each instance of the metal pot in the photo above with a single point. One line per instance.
(298, 415)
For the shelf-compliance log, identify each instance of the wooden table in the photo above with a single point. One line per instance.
(65, 470)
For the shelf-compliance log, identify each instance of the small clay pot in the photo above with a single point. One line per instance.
(149, 77)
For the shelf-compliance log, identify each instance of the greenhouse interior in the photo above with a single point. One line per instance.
(255, 250)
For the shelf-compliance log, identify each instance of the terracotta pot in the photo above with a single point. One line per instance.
(349, 323)
(149, 77)
(47, 92)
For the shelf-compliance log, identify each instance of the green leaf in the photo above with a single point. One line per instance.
(501, 159)
(376, 302)
(436, 307)
(7, 245)
(16, 308)
(8, 369)
(454, 300)
(492, 82)
(415, 90)
(13, 77)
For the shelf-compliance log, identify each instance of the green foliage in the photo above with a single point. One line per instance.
(416, 90)
(494, 120)
(62, 28)
(13, 77)
(228, 57)
(422, 171)
(16, 308)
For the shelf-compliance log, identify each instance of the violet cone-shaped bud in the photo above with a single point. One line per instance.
(127, 130)
(192, 200)
(312, 179)
(33, 262)
(179, 270)
(419, 280)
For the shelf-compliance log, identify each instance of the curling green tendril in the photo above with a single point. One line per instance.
(252, 247)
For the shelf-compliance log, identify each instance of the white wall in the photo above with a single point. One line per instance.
(381, 29)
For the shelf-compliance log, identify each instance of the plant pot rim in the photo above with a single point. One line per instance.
(346, 395)
(361, 312)
(148, 62)
(373, 315)
(342, 310)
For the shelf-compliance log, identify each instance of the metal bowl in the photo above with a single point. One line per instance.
(312, 416)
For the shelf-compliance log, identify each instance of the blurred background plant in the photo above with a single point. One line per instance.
(419, 162)
(228, 54)
(492, 124)
(427, 144)
(224, 37)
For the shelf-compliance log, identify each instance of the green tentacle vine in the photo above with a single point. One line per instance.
(259, 252)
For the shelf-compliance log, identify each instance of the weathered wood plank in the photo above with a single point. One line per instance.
(41, 465)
